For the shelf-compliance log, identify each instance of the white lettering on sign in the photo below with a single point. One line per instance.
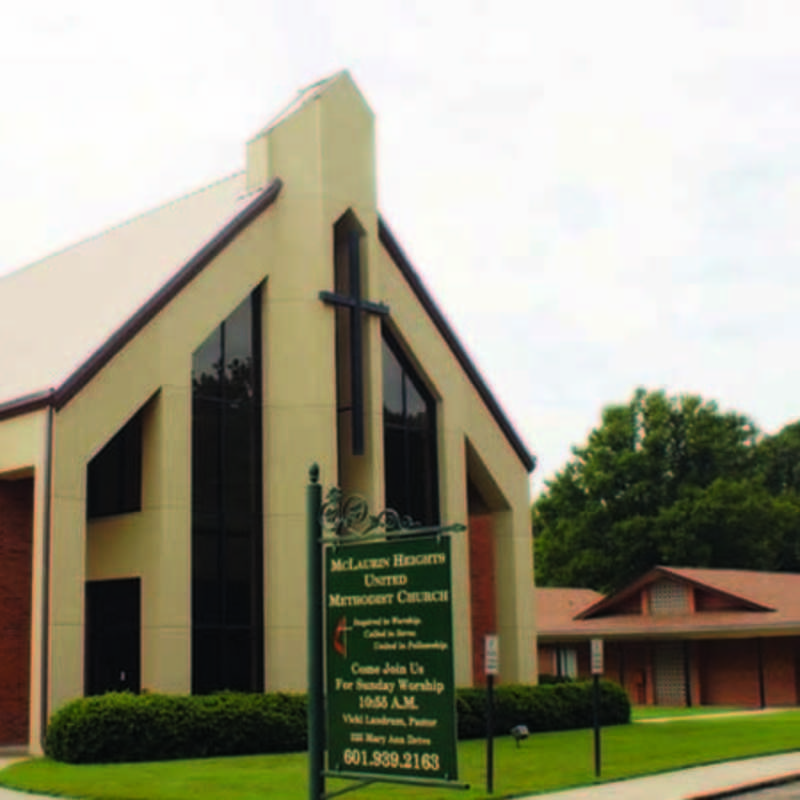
(492, 654)
(597, 656)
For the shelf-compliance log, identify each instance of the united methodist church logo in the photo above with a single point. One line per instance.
(340, 637)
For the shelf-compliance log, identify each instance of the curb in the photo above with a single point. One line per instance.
(750, 786)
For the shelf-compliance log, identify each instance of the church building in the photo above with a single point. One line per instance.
(165, 387)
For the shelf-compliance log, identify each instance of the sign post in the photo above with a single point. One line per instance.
(316, 698)
(597, 671)
(492, 667)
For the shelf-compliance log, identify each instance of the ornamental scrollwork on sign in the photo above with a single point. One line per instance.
(346, 515)
(347, 518)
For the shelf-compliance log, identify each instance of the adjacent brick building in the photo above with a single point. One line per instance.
(683, 636)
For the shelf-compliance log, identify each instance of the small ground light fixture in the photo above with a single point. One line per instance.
(519, 732)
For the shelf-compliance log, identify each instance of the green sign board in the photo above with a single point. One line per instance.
(390, 689)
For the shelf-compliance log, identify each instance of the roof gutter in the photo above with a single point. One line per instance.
(728, 631)
(26, 404)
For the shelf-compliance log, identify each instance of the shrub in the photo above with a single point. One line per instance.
(550, 707)
(149, 727)
(152, 727)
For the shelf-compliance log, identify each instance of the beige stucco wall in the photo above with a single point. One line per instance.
(155, 543)
(325, 156)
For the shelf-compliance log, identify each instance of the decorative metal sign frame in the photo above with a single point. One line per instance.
(346, 519)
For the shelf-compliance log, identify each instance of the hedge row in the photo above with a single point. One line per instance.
(150, 727)
(549, 707)
(154, 727)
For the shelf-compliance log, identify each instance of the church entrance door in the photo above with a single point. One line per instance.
(113, 636)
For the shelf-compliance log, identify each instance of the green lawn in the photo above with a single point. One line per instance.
(659, 712)
(543, 762)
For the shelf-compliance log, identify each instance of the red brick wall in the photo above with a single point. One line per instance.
(722, 672)
(779, 657)
(694, 673)
(638, 680)
(16, 543)
(610, 661)
(729, 672)
(482, 583)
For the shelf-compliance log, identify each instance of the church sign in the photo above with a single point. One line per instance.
(389, 633)
(381, 691)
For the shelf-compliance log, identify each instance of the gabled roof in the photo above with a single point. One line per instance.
(759, 602)
(70, 313)
(560, 606)
(732, 584)
(65, 316)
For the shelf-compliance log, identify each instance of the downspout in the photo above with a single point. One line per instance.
(46, 522)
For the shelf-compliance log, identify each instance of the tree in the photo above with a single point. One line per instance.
(669, 480)
(779, 460)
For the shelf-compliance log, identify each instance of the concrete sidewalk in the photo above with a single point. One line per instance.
(697, 783)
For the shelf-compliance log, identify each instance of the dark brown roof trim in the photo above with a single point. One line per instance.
(26, 404)
(418, 287)
(165, 294)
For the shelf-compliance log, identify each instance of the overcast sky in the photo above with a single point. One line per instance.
(600, 195)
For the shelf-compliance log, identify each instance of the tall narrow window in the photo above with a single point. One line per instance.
(409, 439)
(227, 518)
(352, 367)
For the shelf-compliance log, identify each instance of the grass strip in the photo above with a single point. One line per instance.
(664, 712)
(545, 762)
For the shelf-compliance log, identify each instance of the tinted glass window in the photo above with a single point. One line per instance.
(227, 519)
(392, 386)
(206, 442)
(206, 366)
(114, 475)
(409, 439)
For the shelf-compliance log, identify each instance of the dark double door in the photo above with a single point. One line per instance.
(113, 636)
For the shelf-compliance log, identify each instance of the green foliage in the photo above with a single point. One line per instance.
(674, 481)
(123, 727)
(150, 727)
(549, 707)
(779, 460)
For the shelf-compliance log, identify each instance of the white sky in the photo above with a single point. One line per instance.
(600, 195)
